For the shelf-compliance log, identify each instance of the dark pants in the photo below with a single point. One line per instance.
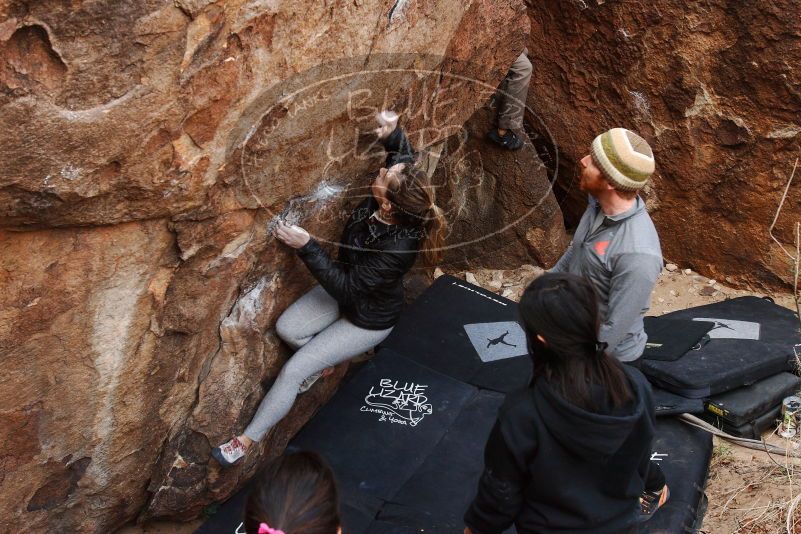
(637, 364)
(513, 94)
(655, 480)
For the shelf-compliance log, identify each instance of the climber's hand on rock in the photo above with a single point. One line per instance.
(294, 236)
(387, 122)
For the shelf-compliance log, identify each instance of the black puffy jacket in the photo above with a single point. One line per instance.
(551, 467)
(366, 279)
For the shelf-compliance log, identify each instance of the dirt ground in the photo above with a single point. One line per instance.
(749, 491)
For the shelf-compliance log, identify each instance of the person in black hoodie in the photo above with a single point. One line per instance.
(360, 294)
(571, 453)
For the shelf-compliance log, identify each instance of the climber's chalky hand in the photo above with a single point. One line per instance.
(387, 122)
(294, 236)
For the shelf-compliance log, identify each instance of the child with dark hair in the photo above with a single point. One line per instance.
(571, 453)
(295, 494)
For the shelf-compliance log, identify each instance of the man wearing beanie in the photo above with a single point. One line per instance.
(616, 245)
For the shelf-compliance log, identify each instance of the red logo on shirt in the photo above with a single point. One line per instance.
(600, 247)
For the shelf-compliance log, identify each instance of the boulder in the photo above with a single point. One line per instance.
(499, 203)
(715, 89)
(148, 149)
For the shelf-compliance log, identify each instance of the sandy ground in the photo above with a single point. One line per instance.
(749, 491)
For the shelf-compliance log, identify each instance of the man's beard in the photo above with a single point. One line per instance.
(588, 186)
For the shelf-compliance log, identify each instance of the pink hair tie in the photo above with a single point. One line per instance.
(264, 528)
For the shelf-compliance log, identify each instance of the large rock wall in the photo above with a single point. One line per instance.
(715, 87)
(147, 147)
(500, 204)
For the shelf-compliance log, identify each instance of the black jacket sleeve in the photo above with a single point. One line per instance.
(348, 283)
(505, 477)
(398, 147)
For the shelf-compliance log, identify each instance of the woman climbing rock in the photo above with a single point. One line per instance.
(571, 453)
(359, 295)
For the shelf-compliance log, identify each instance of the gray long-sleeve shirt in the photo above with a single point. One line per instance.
(622, 258)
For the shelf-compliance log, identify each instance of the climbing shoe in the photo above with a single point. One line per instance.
(229, 453)
(651, 501)
(509, 140)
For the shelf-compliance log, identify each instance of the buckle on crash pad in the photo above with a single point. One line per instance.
(702, 343)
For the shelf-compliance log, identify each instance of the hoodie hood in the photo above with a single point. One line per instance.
(593, 436)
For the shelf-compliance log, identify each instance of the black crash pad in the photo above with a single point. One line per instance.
(376, 432)
(751, 339)
(751, 410)
(667, 403)
(383, 423)
(466, 332)
(670, 339)
(438, 494)
(227, 519)
(746, 318)
(380, 527)
(748, 403)
(683, 452)
(719, 366)
(405, 433)
(752, 429)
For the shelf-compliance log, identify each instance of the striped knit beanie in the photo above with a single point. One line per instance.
(624, 158)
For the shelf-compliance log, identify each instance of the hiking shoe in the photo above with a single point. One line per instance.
(651, 501)
(308, 382)
(509, 140)
(229, 453)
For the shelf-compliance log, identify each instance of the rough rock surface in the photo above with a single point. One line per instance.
(715, 87)
(499, 203)
(148, 146)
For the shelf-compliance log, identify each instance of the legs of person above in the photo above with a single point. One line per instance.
(307, 316)
(510, 113)
(300, 322)
(281, 396)
(309, 381)
(637, 364)
(338, 343)
(512, 104)
(310, 314)
(341, 341)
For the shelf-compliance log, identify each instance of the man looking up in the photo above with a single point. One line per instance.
(616, 245)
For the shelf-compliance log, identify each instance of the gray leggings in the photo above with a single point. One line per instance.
(313, 326)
